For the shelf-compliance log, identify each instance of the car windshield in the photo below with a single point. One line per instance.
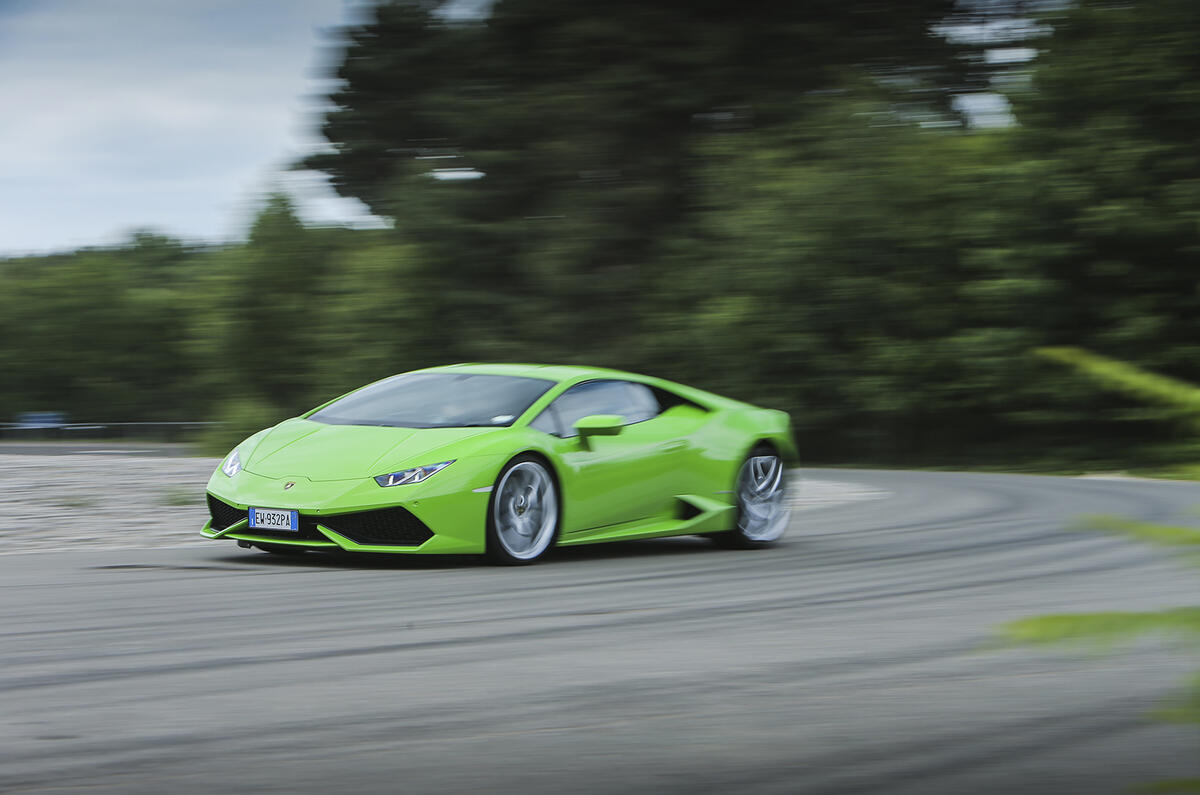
(436, 400)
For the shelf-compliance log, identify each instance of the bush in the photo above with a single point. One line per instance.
(237, 419)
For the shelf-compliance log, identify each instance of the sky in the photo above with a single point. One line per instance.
(168, 115)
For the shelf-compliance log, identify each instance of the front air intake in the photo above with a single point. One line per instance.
(386, 527)
(394, 527)
(223, 514)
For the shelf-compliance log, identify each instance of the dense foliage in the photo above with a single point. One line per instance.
(774, 201)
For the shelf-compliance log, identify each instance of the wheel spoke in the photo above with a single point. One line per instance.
(526, 510)
(762, 514)
(771, 477)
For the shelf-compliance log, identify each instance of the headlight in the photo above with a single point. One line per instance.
(232, 464)
(414, 475)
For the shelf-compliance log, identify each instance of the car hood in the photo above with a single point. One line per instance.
(314, 450)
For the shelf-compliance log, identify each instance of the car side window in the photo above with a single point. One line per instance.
(546, 422)
(643, 405)
(634, 402)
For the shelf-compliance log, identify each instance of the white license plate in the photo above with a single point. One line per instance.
(272, 519)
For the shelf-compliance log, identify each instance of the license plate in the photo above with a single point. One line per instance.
(272, 519)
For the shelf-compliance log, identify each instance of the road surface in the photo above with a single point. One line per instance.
(856, 656)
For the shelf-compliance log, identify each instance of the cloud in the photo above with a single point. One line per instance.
(173, 115)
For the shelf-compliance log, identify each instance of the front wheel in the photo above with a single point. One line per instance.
(762, 507)
(523, 512)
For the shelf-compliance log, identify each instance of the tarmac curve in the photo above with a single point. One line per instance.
(856, 656)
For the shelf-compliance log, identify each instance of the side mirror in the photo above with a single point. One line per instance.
(598, 425)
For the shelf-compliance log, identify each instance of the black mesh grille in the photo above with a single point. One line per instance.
(384, 527)
(223, 514)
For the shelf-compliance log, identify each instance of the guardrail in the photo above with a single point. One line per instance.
(69, 431)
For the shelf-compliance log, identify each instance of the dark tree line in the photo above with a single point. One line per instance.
(776, 201)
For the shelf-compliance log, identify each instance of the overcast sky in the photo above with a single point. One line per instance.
(172, 115)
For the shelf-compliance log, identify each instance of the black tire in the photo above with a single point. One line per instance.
(740, 536)
(504, 511)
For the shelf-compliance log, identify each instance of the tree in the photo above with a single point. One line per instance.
(1111, 119)
(599, 96)
(99, 334)
(585, 119)
(271, 302)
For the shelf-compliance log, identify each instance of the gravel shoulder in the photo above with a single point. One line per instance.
(100, 501)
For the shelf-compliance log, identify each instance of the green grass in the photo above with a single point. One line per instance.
(181, 496)
(1104, 629)
(77, 501)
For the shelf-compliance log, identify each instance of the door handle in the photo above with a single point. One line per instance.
(670, 447)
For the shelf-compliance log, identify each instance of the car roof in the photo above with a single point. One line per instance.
(549, 372)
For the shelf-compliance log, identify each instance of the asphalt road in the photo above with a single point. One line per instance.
(852, 657)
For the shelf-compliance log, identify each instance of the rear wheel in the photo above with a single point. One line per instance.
(522, 513)
(762, 508)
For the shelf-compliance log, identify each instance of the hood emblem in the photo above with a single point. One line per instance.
(288, 485)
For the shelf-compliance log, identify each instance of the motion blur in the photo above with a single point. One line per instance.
(865, 214)
(937, 233)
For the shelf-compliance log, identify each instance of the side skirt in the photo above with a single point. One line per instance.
(704, 515)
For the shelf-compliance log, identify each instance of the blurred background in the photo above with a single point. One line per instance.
(868, 214)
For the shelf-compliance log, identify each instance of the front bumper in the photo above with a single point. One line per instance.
(445, 515)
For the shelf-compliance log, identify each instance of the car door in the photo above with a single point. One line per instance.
(612, 479)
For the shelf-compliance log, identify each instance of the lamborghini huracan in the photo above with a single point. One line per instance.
(509, 461)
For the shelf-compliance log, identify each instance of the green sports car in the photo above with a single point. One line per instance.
(507, 460)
